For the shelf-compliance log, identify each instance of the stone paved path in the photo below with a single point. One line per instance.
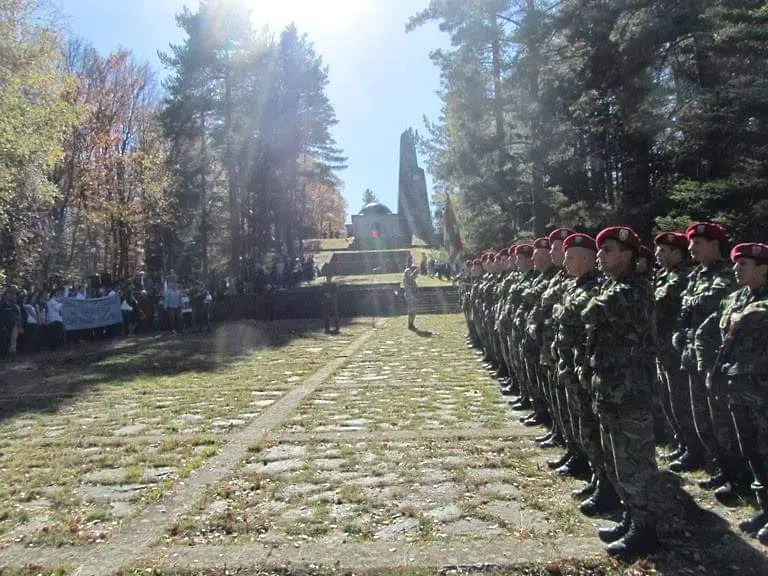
(398, 451)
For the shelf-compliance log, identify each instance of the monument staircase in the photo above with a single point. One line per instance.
(437, 300)
(354, 262)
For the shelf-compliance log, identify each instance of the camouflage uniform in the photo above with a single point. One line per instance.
(466, 283)
(515, 335)
(673, 390)
(702, 296)
(540, 324)
(503, 321)
(744, 363)
(570, 348)
(530, 347)
(708, 342)
(623, 368)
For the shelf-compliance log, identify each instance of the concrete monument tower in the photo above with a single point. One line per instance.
(412, 200)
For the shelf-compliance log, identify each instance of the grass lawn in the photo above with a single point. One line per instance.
(404, 445)
(90, 435)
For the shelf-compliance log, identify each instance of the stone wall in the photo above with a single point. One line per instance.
(350, 263)
(388, 226)
(304, 302)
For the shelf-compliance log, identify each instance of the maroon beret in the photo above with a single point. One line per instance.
(708, 230)
(753, 250)
(541, 243)
(524, 249)
(671, 239)
(580, 241)
(559, 234)
(645, 252)
(621, 234)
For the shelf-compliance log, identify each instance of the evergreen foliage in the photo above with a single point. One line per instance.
(588, 113)
(99, 174)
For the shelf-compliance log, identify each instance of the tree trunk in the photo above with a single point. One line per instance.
(234, 213)
(203, 198)
(536, 155)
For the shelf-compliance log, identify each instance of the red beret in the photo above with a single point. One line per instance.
(645, 252)
(580, 241)
(708, 230)
(671, 239)
(541, 243)
(559, 234)
(753, 250)
(621, 234)
(524, 249)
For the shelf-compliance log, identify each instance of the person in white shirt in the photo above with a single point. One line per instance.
(207, 308)
(32, 319)
(55, 321)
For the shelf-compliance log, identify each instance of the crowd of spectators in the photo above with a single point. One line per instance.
(283, 272)
(30, 317)
(437, 268)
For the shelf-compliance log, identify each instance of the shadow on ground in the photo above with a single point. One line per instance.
(43, 381)
(697, 541)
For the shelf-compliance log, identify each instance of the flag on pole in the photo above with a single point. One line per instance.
(451, 236)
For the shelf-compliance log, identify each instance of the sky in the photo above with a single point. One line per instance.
(381, 80)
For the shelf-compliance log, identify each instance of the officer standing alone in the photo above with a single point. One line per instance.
(410, 288)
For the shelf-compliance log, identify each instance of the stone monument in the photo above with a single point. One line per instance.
(376, 227)
(412, 199)
(381, 237)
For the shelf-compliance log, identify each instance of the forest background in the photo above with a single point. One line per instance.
(573, 112)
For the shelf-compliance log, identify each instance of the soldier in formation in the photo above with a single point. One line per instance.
(615, 349)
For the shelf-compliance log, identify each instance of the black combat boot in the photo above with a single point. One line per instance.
(758, 523)
(522, 404)
(536, 419)
(543, 437)
(616, 531)
(560, 462)
(640, 539)
(587, 491)
(687, 462)
(736, 484)
(510, 388)
(554, 441)
(602, 501)
(576, 466)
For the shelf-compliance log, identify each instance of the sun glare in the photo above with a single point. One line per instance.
(320, 16)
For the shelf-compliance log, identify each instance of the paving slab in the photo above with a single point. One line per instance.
(398, 453)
